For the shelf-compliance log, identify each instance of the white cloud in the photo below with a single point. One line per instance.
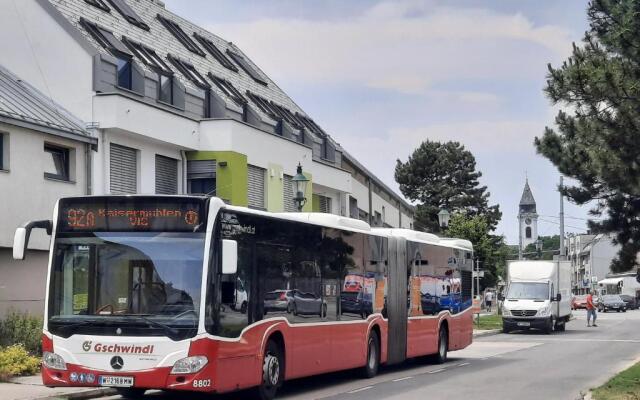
(404, 46)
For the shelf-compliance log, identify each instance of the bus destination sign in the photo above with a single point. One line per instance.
(131, 214)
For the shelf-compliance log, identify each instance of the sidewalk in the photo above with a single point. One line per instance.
(31, 388)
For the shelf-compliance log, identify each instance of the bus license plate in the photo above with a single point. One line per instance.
(119, 381)
(524, 323)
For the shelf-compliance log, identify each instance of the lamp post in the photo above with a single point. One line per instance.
(299, 188)
(443, 218)
(539, 247)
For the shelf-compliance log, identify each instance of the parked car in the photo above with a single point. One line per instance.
(579, 301)
(295, 302)
(630, 301)
(612, 302)
(358, 303)
(279, 300)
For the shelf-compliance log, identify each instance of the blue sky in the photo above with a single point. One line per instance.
(382, 76)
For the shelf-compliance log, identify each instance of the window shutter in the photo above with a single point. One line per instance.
(256, 187)
(201, 169)
(289, 204)
(325, 204)
(166, 175)
(123, 169)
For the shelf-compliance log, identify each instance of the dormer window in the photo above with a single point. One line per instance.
(106, 39)
(98, 4)
(189, 71)
(228, 89)
(147, 55)
(179, 34)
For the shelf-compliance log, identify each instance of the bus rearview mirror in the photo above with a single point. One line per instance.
(229, 256)
(19, 244)
(21, 237)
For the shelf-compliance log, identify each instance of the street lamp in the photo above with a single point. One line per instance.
(299, 188)
(443, 218)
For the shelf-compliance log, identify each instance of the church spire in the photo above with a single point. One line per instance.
(527, 197)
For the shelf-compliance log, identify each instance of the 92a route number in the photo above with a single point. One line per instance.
(201, 383)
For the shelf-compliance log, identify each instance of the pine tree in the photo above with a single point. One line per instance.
(443, 176)
(598, 141)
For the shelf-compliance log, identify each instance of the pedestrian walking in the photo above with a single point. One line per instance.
(591, 310)
(488, 300)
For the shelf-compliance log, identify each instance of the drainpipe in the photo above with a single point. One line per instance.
(87, 166)
(370, 201)
(183, 155)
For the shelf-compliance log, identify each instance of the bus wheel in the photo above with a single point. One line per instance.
(373, 356)
(130, 393)
(443, 346)
(272, 372)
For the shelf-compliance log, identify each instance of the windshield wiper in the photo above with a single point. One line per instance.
(68, 327)
(168, 330)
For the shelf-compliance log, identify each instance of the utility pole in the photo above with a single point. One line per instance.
(562, 253)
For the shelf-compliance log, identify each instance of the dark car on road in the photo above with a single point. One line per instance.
(612, 302)
(630, 301)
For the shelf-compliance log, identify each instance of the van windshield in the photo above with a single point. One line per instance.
(528, 291)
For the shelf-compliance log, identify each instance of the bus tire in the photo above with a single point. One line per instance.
(272, 371)
(130, 393)
(370, 369)
(443, 346)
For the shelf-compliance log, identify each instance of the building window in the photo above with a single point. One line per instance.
(353, 207)
(128, 13)
(147, 55)
(324, 204)
(228, 89)
(4, 151)
(189, 71)
(179, 34)
(215, 52)
(527, 232)
(124, 70)
(166, 175)
(201, 177)
(165, 88)
(377, 219)
(244, 64)
(123, 174)
(56, 162)
(256, 187)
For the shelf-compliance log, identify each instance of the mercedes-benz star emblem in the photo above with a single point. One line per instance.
(117, 362)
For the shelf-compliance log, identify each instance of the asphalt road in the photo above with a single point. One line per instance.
(523, 365)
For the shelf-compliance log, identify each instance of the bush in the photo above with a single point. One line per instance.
(21, 328)
(15, 360)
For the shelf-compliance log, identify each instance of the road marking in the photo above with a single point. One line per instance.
(402, 379)
(588, 340)
(463, 364)
(437, 370)
(361, 389)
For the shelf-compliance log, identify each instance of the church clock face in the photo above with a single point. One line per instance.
(528, 221)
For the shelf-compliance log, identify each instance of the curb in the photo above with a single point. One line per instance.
(87, 394)
(488, 332)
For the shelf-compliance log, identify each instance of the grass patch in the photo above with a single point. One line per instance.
(493, 321)
(624, 386)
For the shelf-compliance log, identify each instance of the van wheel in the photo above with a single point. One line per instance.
(243, 307)
(560, 326)
(131, 393)
(505, 329)
(272, 372)
(443, 346)
(373, 356)
(550, 325)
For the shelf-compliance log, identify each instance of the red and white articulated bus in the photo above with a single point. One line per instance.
(143, 293)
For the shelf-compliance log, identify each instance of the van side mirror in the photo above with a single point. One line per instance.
(21, 237)
(558, 297)
(229, 256)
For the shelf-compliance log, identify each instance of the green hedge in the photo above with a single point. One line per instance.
(21, 328)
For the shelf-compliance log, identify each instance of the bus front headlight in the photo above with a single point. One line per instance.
(53, 361)
(189, 365)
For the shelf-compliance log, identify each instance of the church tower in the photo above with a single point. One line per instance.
(527, 218)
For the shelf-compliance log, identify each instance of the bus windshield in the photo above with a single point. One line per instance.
(528, 291)
(126, 283)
